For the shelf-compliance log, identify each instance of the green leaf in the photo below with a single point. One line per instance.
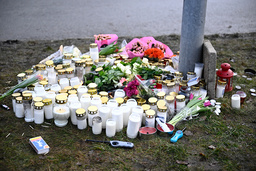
(97, 80)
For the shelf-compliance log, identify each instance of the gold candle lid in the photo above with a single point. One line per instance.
(92, 91)
(85, 56)
(14, 95)
(195, 87)
(117, 62)
(162, 108)
(141, 101)
(68, 88)
(150, 113)
(47, 102)
(79, 63)
(66, 65)
(172, 84)
(29, 72)
(174, 94)
(145, 107)
(72, 92)
(63, 91)
(58, 67)
(40, 67)
(93, 45)
(68, 56)
(92, 110)
(61, 99)
(180, 98)
(19, 100)
(44, 83)
(152, 100)
(161, 95)
(27, 96)
(178, 74)
(88, 64)
(158, 77)
(161, 103)
(69, 70)
(191, 73)
(39, 105)
(169, 98)
(96, 95)
(76, 86)
(99, 69)
(80, 112)
(92, 85)
(104, 100)
(120, 101)
(21, 75)
(37, 99)
(61, 71)
(220, 82)
(49, 63)
(103, 94)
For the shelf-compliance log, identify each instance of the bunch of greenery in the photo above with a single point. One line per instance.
(106, 79)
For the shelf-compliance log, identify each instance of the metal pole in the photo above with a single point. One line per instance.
(192, 34)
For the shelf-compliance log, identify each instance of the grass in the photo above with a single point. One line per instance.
(232, 133)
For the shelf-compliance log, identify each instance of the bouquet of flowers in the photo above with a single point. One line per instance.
(154, 54)
(104, 40)
(135, 48)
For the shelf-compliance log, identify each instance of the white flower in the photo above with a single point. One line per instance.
(114, 66)
(119, 85)
(135, 65)
(128, 72)
(145, 60)
(119, 65)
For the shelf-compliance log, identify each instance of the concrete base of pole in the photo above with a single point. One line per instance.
(192, 34)
(209, 59)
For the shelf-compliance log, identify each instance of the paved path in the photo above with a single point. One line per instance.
(61, 19)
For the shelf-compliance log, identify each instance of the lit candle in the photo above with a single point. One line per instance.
(110, 128)
(235, 101)
(96, 125)
(133, 126)
(104, 114)
(117, 115)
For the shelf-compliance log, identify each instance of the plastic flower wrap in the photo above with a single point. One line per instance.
(103, 40)
(135, 48)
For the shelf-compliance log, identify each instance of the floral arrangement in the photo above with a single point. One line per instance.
(194, 106)
(154, 53)
(132, 88)
(135, 48)
(103, 40)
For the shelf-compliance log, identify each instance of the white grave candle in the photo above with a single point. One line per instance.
(117, 115)
(64, 82)
(73, 107)
(48, 108)
(39, 113)
(74, 81)
(104, 114)
(19, 108)
(133, 126)
(81, 120)
(96, 125)
(112, 104)
(235, 101)
(126, 113)
(81, 90)
(110, 128)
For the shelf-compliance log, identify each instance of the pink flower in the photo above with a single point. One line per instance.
(39, 77)
(208, 103)
(191, 96)
(122, 80)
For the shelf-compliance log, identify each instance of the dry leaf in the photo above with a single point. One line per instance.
(211, 147)
(202, 118)
(182, 162)
(188, 133)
